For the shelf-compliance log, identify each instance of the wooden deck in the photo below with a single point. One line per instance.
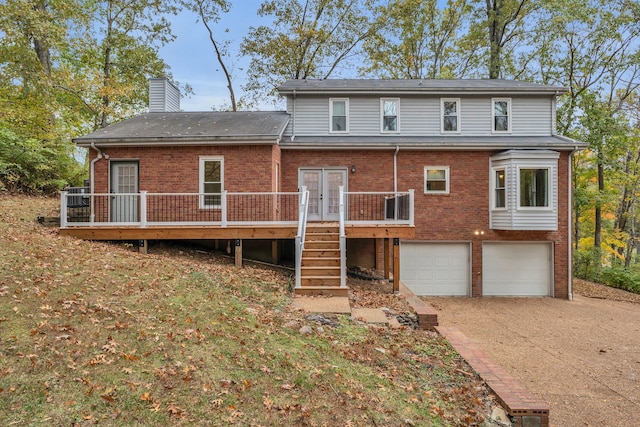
(186, 232)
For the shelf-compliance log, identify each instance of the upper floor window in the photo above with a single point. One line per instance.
(339, 112)
(436, 180)
(450, 115)
(534, 187)
(501, 114)
(499, 194)
(211, 179)
(389, 110)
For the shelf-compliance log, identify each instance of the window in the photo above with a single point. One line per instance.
(534, 187)
(499, 192)
(436, 180)
(339, 109)
(211, 179)
(450, 115)
(390, 109)
(501, 114)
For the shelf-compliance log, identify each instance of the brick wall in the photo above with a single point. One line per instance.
(442, 217)
(452, 217)
(176, 169)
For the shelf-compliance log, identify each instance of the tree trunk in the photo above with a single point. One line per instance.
(41, 46)
(598, 217)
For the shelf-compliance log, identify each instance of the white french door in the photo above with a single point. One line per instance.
(124, 189)
(324, 192)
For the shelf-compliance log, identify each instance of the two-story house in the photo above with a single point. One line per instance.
(458, 187)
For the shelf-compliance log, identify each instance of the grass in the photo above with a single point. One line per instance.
(96, 333)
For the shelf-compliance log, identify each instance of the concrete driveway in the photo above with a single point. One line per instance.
(581, 357)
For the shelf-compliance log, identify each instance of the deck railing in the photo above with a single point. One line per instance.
(146, 209)
(303, 212)
(379, 207)
(81, 209)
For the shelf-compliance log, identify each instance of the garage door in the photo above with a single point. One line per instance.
(516, 269)
(435, 268)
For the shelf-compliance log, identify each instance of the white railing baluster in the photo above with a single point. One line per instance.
(303, 209)
(63, 209)
(343, 239)
(223, 205)
(411, 206)
(143, 209)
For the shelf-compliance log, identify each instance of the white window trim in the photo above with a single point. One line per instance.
(493, 115)
(346, 112)
(397, 101)
(493, 189)
(458, 115)
(550, 188)
(202, 160)
(446, 177)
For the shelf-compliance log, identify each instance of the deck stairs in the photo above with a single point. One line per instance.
(320, 271)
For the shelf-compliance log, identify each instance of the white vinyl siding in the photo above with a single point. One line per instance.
(513, 216)
(516, 269)
(421, 116)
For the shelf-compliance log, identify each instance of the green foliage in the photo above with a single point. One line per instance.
(29, 166)
(416, 39)
(308, 39)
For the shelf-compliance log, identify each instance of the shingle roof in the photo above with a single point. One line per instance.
(201, 127)
(415, 86)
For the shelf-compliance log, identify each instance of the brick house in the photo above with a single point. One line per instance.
(456, 187)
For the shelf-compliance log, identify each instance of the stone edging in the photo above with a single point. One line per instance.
(522, 406)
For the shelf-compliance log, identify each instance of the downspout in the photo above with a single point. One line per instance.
(293, 117)
(395, 169)
(92, 174)
(570, 221)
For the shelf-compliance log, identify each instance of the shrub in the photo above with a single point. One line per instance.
(36, 167)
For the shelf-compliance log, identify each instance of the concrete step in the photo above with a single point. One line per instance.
(323, 290)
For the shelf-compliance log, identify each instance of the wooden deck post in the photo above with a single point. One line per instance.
(387, 266)
(275, 252)
(396, 265)
(143, 246)
(238, 252)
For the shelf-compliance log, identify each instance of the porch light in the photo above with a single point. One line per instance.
(353, 168)
(479, 232)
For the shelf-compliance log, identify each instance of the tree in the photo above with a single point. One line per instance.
(208, 12)
(416, 40)
(308, 39)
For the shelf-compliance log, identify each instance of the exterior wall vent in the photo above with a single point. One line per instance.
(164, 96)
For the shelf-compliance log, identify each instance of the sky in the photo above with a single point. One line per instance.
(192, 59)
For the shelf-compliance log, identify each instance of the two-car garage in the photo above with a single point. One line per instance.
(508, 269)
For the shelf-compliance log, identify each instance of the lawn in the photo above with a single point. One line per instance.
(96, 333)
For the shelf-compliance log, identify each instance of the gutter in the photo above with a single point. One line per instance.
(92, 174)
